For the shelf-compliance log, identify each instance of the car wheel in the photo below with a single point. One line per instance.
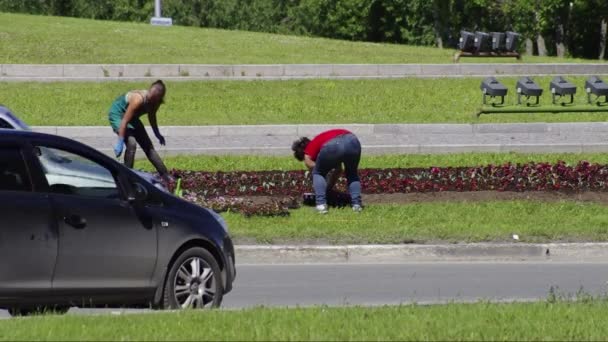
(194, 281)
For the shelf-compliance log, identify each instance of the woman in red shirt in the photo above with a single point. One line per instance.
(328, 151)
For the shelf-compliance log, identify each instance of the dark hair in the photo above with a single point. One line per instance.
(161, 84)
(299, 146)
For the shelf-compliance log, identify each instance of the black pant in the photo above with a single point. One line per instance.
(138, 135)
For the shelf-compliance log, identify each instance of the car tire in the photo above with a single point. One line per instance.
(194, 281)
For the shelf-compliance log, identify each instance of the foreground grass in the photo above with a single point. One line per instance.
(560, 321)
(280, 102)
(47, 40)
(492, 221)
(261, 163)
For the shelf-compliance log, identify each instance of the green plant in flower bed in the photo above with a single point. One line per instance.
(203, 187)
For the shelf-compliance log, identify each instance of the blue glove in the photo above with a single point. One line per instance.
(119, 147)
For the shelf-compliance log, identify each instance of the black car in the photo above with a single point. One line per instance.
(101, 235)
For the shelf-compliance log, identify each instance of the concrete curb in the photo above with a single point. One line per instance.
(476, 252)
(359, 129)
(376, 138)
(197, 72)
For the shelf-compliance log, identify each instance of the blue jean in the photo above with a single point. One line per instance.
(344, 149)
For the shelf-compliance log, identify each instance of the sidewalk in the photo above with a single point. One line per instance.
(375, 138)
(475, 252)
(191, 72)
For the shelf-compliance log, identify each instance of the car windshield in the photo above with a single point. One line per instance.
(53, 157)
(59, 164)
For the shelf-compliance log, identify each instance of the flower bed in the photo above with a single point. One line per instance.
(207, 187)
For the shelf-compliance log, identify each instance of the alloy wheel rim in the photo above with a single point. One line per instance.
(194, 284)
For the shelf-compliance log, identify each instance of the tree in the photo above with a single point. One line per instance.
(441, 13)
(521, 17)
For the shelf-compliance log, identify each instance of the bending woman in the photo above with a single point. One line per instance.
(125, 120)
(326, 152)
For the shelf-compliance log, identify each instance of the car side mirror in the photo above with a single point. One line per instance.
(139, 193)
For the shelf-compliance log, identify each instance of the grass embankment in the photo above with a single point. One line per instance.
(281, 102)
(560, 321)
(27, 39)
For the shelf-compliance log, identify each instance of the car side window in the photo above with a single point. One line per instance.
(13, 172)
(5, 124)
(72, 174)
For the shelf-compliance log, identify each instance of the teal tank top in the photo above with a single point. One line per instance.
(119, 108)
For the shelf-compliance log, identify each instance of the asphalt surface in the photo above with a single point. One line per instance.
(381, 284)
(393, 284)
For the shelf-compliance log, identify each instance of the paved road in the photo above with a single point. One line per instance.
(376, 284)
(386, 284)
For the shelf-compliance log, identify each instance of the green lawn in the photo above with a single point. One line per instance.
(47, 40)
(261, 163)
(492, 221)
(582, 320)
(280, 102)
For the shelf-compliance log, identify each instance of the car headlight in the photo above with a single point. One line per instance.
(219, 219)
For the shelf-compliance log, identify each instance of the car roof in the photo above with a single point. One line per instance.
(13, 135)
(12, 119)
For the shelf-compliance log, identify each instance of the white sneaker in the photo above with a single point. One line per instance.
(357, 208)
(322, 208)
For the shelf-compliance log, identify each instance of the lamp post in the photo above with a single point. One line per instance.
(158, 19)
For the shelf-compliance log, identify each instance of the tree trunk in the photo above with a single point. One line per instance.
(603, 33)
(542, 47)
(561, 48)
(438, 25)
(529, 47)
(540, 41)
(439, 41)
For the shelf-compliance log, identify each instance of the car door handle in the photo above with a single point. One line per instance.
(75, 221)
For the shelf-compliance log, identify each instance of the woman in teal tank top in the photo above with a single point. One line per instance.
(124, 117)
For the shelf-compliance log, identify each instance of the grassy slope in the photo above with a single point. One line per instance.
(48, 40)
(260, 163)
(279, 102)
(581, 321)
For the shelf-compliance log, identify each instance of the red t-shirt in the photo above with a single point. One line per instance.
(315, 145)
